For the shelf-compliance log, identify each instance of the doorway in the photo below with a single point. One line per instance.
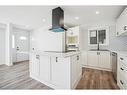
(20, 45)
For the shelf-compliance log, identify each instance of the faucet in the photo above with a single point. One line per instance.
(97, 46)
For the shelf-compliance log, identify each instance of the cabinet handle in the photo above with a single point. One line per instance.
(121, 58)
(77, 57)
(121, 82)
(56, 59)
(125, 28)
(117, 33)
(98, 53)
(17, 48)
(122, 69)
(37, 57)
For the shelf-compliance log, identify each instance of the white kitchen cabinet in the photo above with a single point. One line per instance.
(60, 71)
(45, 68)
(121, 24)
(122, 71)
(104, 60)
(92, 58)
(72, 67)
(75, 68)
(99, 60)
(34, 65)
(99, 35)
(56, 72)
(84, 58)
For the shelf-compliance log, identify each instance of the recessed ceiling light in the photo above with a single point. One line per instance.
(97, 12)
(76, 18)
(43, 20)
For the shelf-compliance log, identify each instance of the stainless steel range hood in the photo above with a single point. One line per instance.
(58, 20)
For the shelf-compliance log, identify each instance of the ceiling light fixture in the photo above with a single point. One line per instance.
(76, 18)
(97, 12)
(43, 20)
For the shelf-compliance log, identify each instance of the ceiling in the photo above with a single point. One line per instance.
(38, 16)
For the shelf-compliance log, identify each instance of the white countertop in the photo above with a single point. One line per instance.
(120, 52)
(116, 51)
(56, 54)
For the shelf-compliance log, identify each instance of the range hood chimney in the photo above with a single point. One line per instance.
(58, 20)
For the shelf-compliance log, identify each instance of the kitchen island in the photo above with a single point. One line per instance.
(58, 70)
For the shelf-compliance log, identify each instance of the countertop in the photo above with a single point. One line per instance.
(57, 53)
(120, 52)
(116, 51)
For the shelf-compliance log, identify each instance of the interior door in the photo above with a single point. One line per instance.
(21, 49)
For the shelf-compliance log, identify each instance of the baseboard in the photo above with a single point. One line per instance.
(77, 81)
(44, 82)
(97, 68)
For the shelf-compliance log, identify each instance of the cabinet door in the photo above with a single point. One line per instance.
(118, 27)
(124, 21)
(92, 58)
(104, 60)
(45, 68)
(84, 58)
(35, 64)
(78, 64)
(76, 68)
(60, 72)
(121, 24)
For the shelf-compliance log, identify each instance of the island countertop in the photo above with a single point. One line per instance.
(57, 53)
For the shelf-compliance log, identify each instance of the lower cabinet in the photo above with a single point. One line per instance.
(56, 72)
(60, 71)
(45, 68)
(99, 59)
(104, 60)
(122, 71)
(76, 69)
(92, 59)
(34, 65)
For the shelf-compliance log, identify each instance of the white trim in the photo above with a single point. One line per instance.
(98, 28)
(77, 81)
(98, 68)
(54, 86)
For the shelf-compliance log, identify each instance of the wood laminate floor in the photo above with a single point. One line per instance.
(96, 79)
(17, 77)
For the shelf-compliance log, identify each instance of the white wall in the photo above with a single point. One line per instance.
(45, 40)
(2, 45)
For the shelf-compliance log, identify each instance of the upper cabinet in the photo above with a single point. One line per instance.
(121, 24)
(98, 35)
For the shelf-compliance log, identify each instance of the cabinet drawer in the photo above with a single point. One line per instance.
(122, 82)
(122, 69)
